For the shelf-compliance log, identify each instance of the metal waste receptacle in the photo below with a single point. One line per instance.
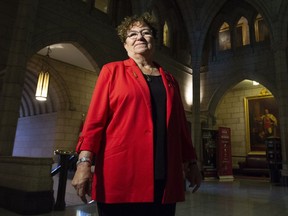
(274, 158)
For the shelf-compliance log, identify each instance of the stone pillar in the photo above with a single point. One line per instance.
(14, 74)
(196, 124)
(280, 59)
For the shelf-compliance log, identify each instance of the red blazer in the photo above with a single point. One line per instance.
(118, 129)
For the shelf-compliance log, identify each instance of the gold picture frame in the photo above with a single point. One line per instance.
(262, 121)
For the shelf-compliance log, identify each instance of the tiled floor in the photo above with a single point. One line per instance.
(239, 198)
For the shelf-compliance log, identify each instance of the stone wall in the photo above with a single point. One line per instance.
(230, 113)
(26, 185)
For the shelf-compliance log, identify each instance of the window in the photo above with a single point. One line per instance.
(166, 38)
(101, 5)
(224, 37)
(261, 30)
(242, 32)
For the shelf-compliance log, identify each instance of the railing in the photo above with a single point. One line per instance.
(67, 161)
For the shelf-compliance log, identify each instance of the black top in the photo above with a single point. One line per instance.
(158, 100)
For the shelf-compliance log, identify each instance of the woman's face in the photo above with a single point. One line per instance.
(139, 41)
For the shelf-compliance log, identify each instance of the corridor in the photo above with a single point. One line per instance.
(239, 198)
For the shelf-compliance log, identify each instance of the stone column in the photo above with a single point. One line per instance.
(14, 74)
(280, 59)
(196, 124)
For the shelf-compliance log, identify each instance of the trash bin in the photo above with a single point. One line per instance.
(274, 158)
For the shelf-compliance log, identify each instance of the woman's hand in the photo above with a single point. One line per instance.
(193, 175)
(82, 181)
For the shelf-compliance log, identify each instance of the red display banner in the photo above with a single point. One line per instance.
(224, 159)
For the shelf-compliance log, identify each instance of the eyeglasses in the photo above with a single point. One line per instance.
(143, 33)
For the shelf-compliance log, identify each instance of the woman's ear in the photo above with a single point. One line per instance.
(125, 45)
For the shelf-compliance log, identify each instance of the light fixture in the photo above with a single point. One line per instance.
(43, 82)
(255, 83)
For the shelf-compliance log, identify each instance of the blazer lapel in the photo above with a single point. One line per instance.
(133, 70)
(169, 84)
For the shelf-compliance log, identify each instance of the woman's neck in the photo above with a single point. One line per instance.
(143, 62)
(146, 66)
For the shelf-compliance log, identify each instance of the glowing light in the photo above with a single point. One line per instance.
(43, 82)
(189, 92)
(42, 86)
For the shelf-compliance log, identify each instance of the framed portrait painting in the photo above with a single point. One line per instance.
(262, 121)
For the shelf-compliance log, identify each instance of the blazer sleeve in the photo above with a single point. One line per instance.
(97, 115)
(188, 150)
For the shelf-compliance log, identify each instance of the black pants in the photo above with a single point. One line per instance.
(140, 209)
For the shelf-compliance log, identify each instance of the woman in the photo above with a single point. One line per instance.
(137, 131)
